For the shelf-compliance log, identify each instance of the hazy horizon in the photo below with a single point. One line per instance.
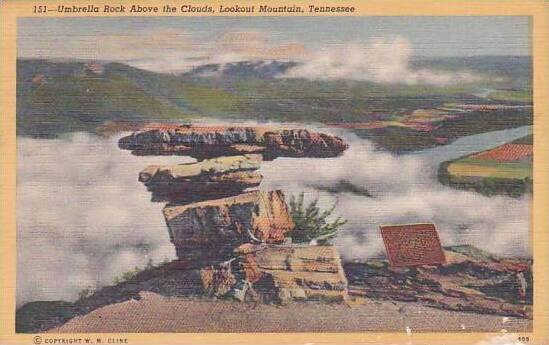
(168, 44)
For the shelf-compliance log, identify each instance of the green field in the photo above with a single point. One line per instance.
(489, 177)
(488, 169)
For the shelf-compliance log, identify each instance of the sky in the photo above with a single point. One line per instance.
(171, 44)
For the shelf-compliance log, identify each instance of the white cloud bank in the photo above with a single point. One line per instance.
(83, 218)
(381, 60)
(405, 190)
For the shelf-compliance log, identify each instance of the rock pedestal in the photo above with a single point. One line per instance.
(211, 211)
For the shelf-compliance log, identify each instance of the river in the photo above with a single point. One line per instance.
(473, 143)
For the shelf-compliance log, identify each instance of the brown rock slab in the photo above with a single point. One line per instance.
(209, 179)
(289, 272)
(216, 227)
(215, 141)
(302, 143)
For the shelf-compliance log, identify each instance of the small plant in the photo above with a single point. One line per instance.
(311, 223)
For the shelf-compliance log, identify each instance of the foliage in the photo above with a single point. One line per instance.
(311, 223)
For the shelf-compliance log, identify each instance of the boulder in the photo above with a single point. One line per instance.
(208, 179)
(285, 273)
(214, 141)
(471, 280)
(212, 229)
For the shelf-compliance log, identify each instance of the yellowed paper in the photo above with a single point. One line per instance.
(245, 172)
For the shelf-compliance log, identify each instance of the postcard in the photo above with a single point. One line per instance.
(193, 172)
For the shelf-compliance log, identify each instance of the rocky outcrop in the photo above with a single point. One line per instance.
(206, 226)
(278, 274)
(213, 228)
(470, 280)
(285, 273)
(208, 179)
(209, 213)
(214, 141)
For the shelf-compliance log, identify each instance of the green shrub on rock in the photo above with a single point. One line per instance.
(311, 223)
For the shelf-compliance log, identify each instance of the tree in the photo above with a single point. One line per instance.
(311, 223)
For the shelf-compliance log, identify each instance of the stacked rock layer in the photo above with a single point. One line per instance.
(221, 224)
(215, 141)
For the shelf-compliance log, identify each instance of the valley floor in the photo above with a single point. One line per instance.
(156, 313)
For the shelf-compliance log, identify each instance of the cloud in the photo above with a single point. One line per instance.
(82, 216)
(380, 60)
(404, 190)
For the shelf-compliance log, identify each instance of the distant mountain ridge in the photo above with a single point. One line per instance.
(512, 66)
(61, 96)
(243, 69)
